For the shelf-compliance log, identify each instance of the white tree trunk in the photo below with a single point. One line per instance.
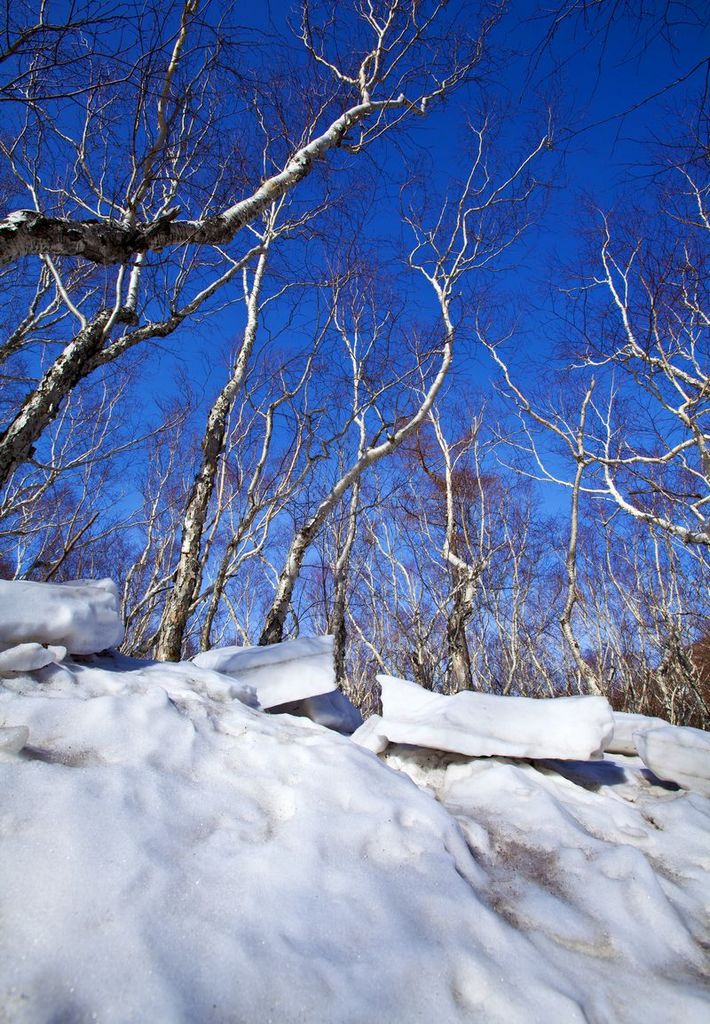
(188, 572)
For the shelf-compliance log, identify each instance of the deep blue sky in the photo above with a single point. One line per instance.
(590, 72)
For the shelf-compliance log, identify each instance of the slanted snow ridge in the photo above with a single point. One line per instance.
(480, 724)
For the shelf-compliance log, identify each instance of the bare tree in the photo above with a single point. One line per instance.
(187, 576)
(632, 418)
(120, 204)
(468, 234)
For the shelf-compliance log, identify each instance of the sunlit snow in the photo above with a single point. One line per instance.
(170, 853)
(281, 672)
(483, 724)
(679, 754)
(82, 616)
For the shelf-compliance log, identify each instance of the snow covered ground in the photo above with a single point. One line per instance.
(172, 853)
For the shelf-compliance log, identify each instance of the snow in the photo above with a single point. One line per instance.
(482, 724)
(372, 735)
(333, 710)
(13, 740)
(28, 657)
(280, 673)
(625, 725)
(678, 754)
(172, 853)
(602, 871)
(82, 616)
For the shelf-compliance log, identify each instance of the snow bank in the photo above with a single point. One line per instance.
(280, 673)
(601, 870)
(480, 724)
(81, 616)
(678, 754)
(174, 859)
(170, 854)
(625, 725)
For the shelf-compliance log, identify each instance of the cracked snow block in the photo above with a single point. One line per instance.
(280, 673)
(371, 735)
(625, 726)
(29, 658)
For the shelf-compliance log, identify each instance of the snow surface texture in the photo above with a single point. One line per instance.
(679, 754)
(81, 616)
(481, 724)
(603, 872)
(305, 668)
(170, 854)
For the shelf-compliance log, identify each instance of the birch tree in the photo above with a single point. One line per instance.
(154, 198)
(469, 233)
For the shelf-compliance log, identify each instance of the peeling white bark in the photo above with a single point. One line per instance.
(188, 572)
(29, 233)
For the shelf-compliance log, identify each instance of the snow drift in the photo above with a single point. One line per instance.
(172, 854)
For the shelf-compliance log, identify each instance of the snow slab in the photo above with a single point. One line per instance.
(625, 725)
(481, 724)
(678, 754)
(280, 673)
(28, 657)
(172, 855)
(332, 710)
(82, 616)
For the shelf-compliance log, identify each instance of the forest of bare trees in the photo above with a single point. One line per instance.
(272, 357)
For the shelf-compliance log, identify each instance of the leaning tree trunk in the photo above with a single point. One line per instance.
(42, 405)
(273, 630)
(188, 572)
